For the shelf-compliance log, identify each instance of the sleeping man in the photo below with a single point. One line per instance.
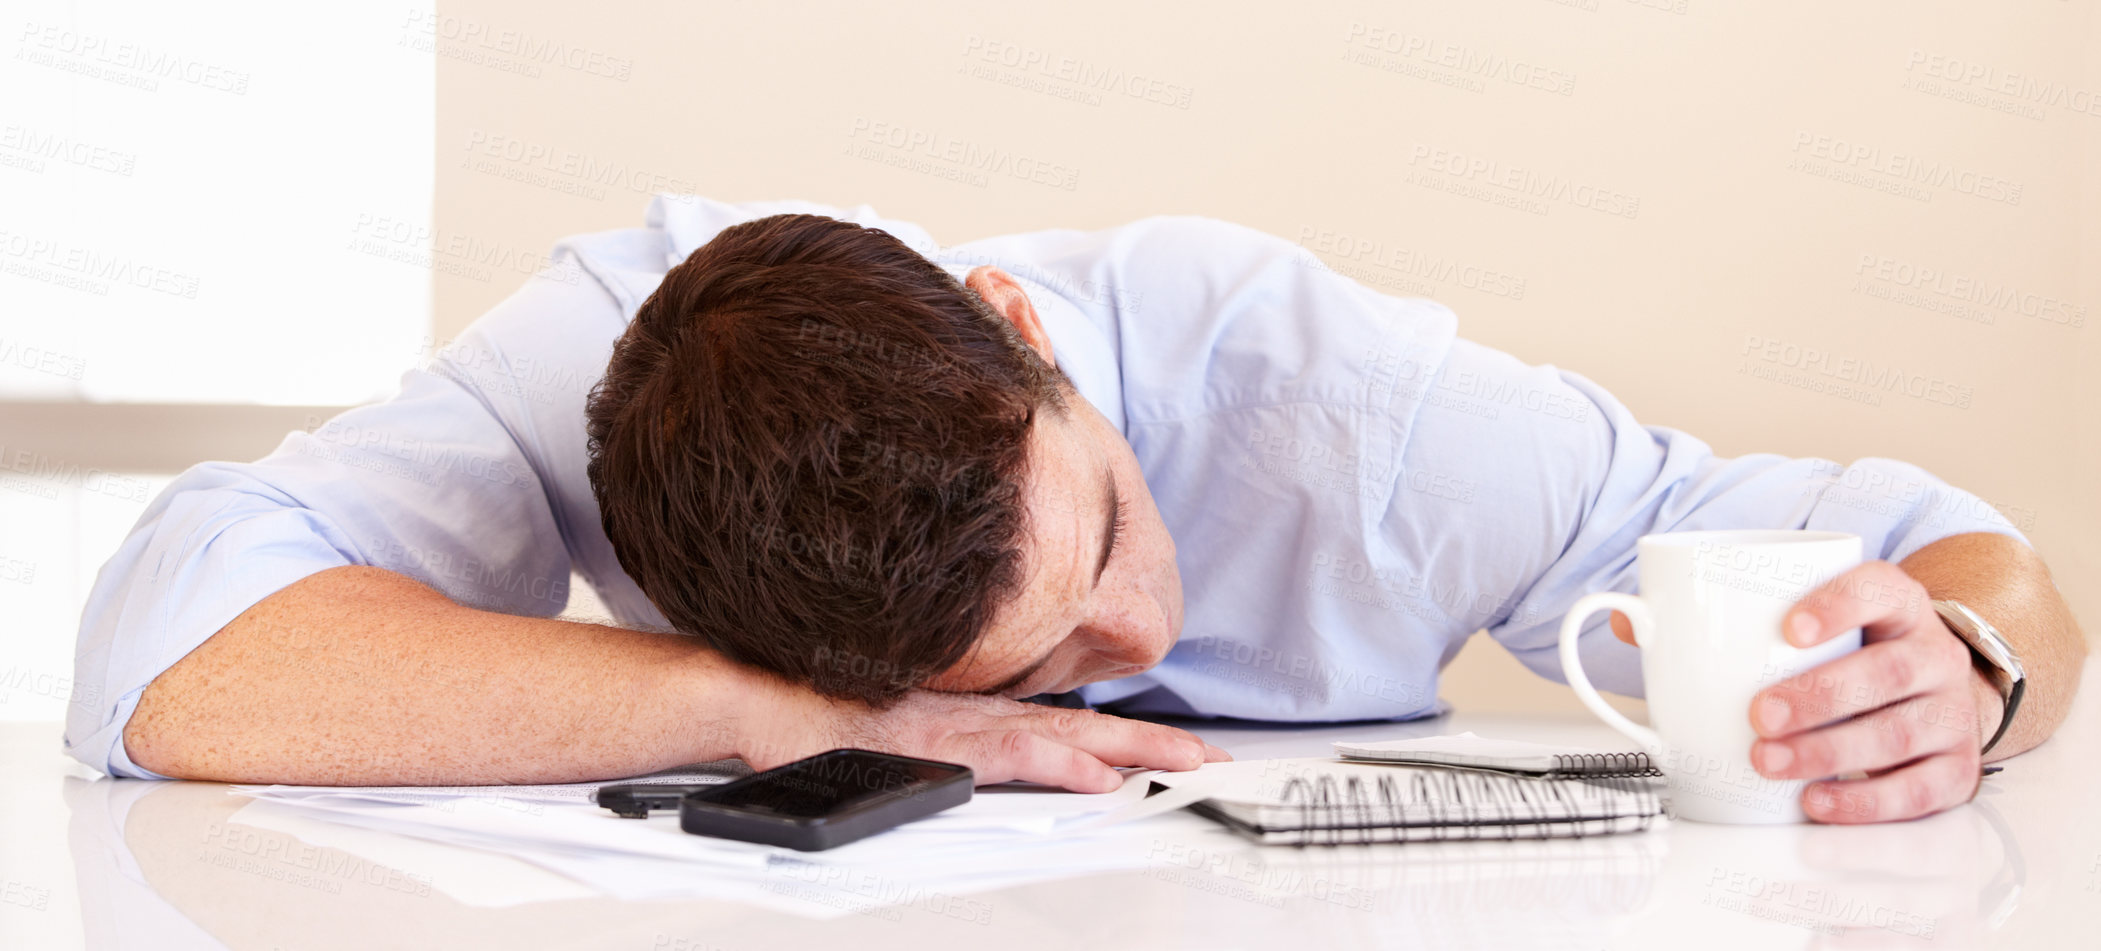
(839, 486)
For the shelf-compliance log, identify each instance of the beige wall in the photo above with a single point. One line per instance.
(1699, 143)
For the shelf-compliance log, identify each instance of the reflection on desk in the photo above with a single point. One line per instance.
(166, 865)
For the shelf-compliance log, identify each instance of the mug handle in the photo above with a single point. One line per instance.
(1572, 665)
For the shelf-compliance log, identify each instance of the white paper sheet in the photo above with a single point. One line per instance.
(570, 793)
(1004, 835)
(1468, 749)
(471, 876)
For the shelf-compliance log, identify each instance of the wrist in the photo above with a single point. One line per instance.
(772, 720)
(724, 708)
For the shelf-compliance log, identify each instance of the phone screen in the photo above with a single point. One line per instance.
(825, 784)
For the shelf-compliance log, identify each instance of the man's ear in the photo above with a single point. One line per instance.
(1000, 290)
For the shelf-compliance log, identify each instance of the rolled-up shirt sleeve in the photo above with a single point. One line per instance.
(434, 484)
(1646, 479)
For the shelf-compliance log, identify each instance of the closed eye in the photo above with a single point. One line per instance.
(1114, 530)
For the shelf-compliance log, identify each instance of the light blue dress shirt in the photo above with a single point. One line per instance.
(1353, 490)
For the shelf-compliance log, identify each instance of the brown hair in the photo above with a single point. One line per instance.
(807, 450)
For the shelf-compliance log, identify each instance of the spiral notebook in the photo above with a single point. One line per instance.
(1469, 751)
(1331, 802)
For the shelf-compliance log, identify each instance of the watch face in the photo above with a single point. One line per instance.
(1981, 636)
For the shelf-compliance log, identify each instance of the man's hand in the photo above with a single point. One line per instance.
(999, 739)
(1908, 709)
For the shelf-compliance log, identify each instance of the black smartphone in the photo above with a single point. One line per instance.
(827, 800)
(638, 800)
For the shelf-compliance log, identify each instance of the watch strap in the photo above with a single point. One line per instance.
(2013, 702)
(1976, 633)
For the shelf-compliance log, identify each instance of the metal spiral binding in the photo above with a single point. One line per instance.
(1454, 804)
(1603, 764)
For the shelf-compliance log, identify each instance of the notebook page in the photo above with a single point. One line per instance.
(1467, 749)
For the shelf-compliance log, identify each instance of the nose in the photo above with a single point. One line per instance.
(1134, 629)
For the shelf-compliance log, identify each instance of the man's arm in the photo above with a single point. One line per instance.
(2007, 583)
(358, 676)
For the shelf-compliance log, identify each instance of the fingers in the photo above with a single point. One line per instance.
(1623, 628)
(1003, 740)
(1875, 676)
(1874, 594)
(1116, 740)
(1887, 737)
(1901, 708)
(1922, 788)
(998, 756)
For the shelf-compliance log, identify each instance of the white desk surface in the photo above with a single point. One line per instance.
(100, 863)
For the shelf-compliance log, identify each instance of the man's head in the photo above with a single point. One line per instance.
(819, 452)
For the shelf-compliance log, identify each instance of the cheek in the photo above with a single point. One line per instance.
(1159, 545)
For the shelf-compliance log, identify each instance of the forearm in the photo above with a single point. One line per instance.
(2007, 583)
(358, 676)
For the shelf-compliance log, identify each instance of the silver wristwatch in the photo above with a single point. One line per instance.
(1991, 653)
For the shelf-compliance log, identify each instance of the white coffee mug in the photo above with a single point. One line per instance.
(1708, 623)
